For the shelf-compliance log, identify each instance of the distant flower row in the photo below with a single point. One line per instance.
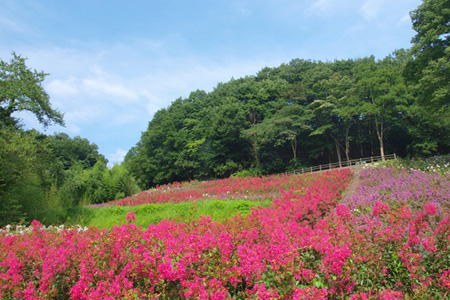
(436, 164)
(250, 188)
(10, 230)
(306, 245)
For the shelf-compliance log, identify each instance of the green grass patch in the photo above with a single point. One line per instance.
(107, 217)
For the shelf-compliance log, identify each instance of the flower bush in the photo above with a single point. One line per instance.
(309, 244)
(251, 188)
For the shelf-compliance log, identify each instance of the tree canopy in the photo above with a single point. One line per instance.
(301, 113)
(429, 69)
(21, 89)
(298, 114)
(44, 177)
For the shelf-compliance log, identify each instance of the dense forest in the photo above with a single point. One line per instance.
(44, 176)
(301, 113)
(307, 113)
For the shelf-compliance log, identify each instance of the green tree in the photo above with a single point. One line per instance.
(21, 89)
(428, 73)
(430, 44)
(284, 127)
(430, 66)
(25, 174)
(228, 120)
(261, 99)
(383, 93)
(75, 150)
(335, 114)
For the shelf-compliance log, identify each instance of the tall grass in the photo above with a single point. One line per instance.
(107, 217)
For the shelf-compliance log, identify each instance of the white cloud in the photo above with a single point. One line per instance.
(101, 87)
(83, 113)
(126, 118)
(7, 23)
(406, 19)
(63, 87)
(116, 157)
(106, 91)
(73, 129)
(371, 9)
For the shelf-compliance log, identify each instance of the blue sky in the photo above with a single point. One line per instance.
(113, 63)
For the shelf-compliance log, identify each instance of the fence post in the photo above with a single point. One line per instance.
(371, 158)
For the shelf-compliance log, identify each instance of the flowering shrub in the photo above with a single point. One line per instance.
(306, 245)
(251, 188)
(397, 187)
(10, 230)
(436, 164)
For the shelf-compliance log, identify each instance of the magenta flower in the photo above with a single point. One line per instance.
(430, 209)
(380, 208)
(131, 216)
(36, 224)
(343, 212)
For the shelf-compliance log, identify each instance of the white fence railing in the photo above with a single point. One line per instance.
(343, 164)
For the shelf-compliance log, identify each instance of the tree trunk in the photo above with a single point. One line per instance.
(294, 148)
(347, 144)
(361, 149)
(379, 126)
(338, 151)
(382, 150)
(255, 152)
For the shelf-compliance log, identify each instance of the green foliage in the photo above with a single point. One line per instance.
(428, 73)
(35, 184)
(77, 150)
(436, 164)
(97, 184)
(246, 173)
(307, 113)
(106, 217)
(42, 177)
(302, 113)
(24, 161)
(20, 89)
(299, 114)
(431, 42)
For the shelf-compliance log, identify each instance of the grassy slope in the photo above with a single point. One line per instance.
(106, 217)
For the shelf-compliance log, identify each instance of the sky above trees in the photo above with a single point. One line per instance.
(113, 65)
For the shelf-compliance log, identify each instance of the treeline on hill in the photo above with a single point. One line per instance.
(308, 112)
(299, 114)
(43, 177)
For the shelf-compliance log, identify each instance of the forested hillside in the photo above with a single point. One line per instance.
(44, 176)
(298, 114)
(308, 112)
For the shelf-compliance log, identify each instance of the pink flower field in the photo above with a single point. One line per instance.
(389, 240)
(252, 188)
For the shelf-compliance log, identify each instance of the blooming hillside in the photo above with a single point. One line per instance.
(306, 245)
(252, 188)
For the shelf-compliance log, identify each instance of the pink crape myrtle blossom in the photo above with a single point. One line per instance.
(387, 241)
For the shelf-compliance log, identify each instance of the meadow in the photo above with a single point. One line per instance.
(184, 202)
(389, 239)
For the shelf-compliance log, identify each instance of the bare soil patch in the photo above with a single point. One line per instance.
(351, 188)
